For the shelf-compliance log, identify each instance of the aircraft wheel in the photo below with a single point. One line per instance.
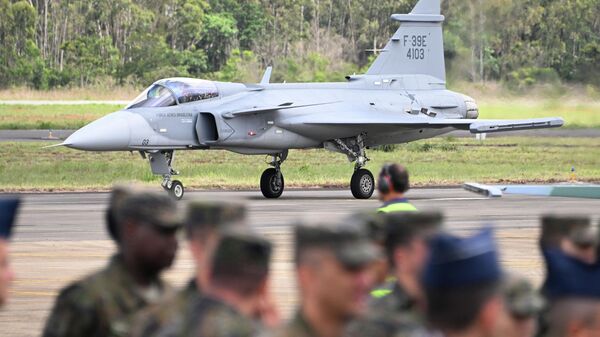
(362, 184)
(271, 183)
(176, 190)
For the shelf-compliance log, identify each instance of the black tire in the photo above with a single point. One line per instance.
(362, 184)
(177, 191)
(269, 185)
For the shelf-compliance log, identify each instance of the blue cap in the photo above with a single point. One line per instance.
(567, 276)
(8, 211)
(457, 262)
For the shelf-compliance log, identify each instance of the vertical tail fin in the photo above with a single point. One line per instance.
(417, 47)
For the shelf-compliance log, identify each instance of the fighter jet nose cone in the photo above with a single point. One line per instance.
(109, 133)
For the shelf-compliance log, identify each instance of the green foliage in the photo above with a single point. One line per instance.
(47, 44)
(242, 66)
(527, 77)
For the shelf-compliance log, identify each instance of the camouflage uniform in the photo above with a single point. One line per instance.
(102, 304)
(149, 322)
(391, 315)
(210, 317)
(297, 327)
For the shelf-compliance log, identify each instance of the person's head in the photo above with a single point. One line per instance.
(374, 224)
(8, 210)
(240, 264)
(523, 305)
(392, 182)
(406, 236)
(573, 234)
(204, 221)
(462, 283)
(147, 227)
(332, 263)
(572, 289)
(574, 317)
(117, 195)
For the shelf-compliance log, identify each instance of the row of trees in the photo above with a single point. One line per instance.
(55, 43)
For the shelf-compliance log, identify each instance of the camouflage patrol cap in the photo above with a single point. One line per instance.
(521, 298)
(147, 207)
(584, 237)
(401, 227)
(205, 214)
(575, 227)
(348, 241)
(241, 253)
(372, 221)
(8, 212)
(117, 195)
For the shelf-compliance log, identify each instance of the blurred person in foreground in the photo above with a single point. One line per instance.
(334, 278)
(399, 307)
(143, 224)
(233, 301)
(572, 290)
(524, 305)
(204, 222)
(573, 234)
(8, 212)
(462, 281)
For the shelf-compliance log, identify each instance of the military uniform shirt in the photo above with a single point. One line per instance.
(392, 315)
(297, 327)
(209, 317)
(103, 304)
(150, 321)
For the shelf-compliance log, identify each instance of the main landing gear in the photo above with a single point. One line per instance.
(161, 164)
(362, 183)
(272, 183)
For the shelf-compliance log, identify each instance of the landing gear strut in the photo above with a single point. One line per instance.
(161, 164)
(362, 184)
(272, 183)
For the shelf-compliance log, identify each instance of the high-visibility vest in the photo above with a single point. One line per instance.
(400, 205)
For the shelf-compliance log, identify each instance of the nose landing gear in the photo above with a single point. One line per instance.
(161, 162)
(272, 183)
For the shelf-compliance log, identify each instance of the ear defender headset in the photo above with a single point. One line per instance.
(384, 183)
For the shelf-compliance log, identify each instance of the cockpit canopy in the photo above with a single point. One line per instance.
(174, 91)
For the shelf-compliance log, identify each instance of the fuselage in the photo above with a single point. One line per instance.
(210, 121)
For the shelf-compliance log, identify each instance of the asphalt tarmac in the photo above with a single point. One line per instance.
(61, 237)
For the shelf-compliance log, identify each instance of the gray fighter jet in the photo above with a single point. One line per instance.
(401, 98)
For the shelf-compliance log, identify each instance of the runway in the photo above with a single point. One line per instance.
(61, 237)
(79, 216)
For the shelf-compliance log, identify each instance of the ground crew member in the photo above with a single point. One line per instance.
(334, 279)
(572, 289)
(203, 222)
(462, 283)
(104, 303)
(573, 234)
(524, 304)
(8, 211)
(232, 303)
(392, 185)
(399, 308)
